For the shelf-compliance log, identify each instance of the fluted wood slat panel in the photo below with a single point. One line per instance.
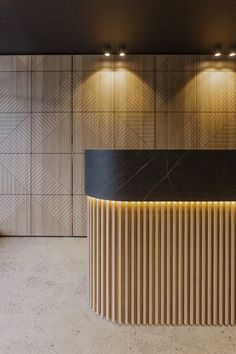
(162, 262)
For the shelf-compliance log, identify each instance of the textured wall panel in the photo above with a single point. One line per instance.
(78, 174)
(51, 92)
(51, 63)
(51, 215)
(216, 130)
(51, 174)
(134, 130)
(51, 133)
(15, 63)
(216, 91)
(178, 62)
(15, 130)
(14, 174)
(14, 215)
(92, 63)
(93, 91)
(79, 215)
(176, 91)
(15, 91)
(93, 130)
(90, 101)
(175, 130)
(135, 63)
(134, 91)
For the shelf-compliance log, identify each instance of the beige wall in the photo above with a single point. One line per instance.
(52, 108)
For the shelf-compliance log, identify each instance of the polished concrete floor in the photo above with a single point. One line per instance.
(43, 308)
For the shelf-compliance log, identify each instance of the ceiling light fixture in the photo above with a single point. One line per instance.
(107, 50)
(217, 53)
(232, 53)
(122, 53)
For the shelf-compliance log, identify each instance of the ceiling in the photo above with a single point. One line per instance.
(143, 26)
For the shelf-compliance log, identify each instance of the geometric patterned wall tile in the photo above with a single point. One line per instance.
(51, 173)
(93, 91)
(15, 132)
(161, 62)
(176, 62)
(92, 63)
(51, 63)
(14, 215)
(51, 92)
(78, 174)
(216, 130)
(51, 215)
(216, 91)
(226, 138)
(15, 89)
(134, 91)
(14, 174)
(79, 215)
(93, 130)
(15, 63)
(176, 91)
(135, 62)
(135, 130)
(51, 132)
(176, 130)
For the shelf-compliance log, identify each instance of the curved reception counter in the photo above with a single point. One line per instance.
(161, 226)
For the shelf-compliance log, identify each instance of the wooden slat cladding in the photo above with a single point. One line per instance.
(163, 262)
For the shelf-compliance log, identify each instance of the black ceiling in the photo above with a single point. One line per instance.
(143, 26)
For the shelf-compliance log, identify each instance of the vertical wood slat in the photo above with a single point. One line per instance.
(94, 221)
(226, 260)
(103, 258)
(186, 263)
(209, 262)
(232, 267)
(145, 264)
(180, 263)
(98, 255)
(162, 265)
(203, 287)
(127, 264)
(108, 259)
(162, 262)
(215, 289)
(139, 264)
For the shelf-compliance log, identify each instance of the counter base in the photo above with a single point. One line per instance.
(162, 262)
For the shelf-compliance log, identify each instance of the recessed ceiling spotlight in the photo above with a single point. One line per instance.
(232, 53)
(122, 53)
(217, 53)
(107, 50)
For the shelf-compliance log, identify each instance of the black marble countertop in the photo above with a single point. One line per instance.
(161, 175)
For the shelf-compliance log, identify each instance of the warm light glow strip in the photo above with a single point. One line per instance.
(162, 262)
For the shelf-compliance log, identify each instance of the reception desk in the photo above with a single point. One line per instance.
(161, 226)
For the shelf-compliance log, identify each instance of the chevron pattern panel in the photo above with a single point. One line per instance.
(53, 107)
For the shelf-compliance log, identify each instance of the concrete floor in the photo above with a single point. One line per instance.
(43, 308)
